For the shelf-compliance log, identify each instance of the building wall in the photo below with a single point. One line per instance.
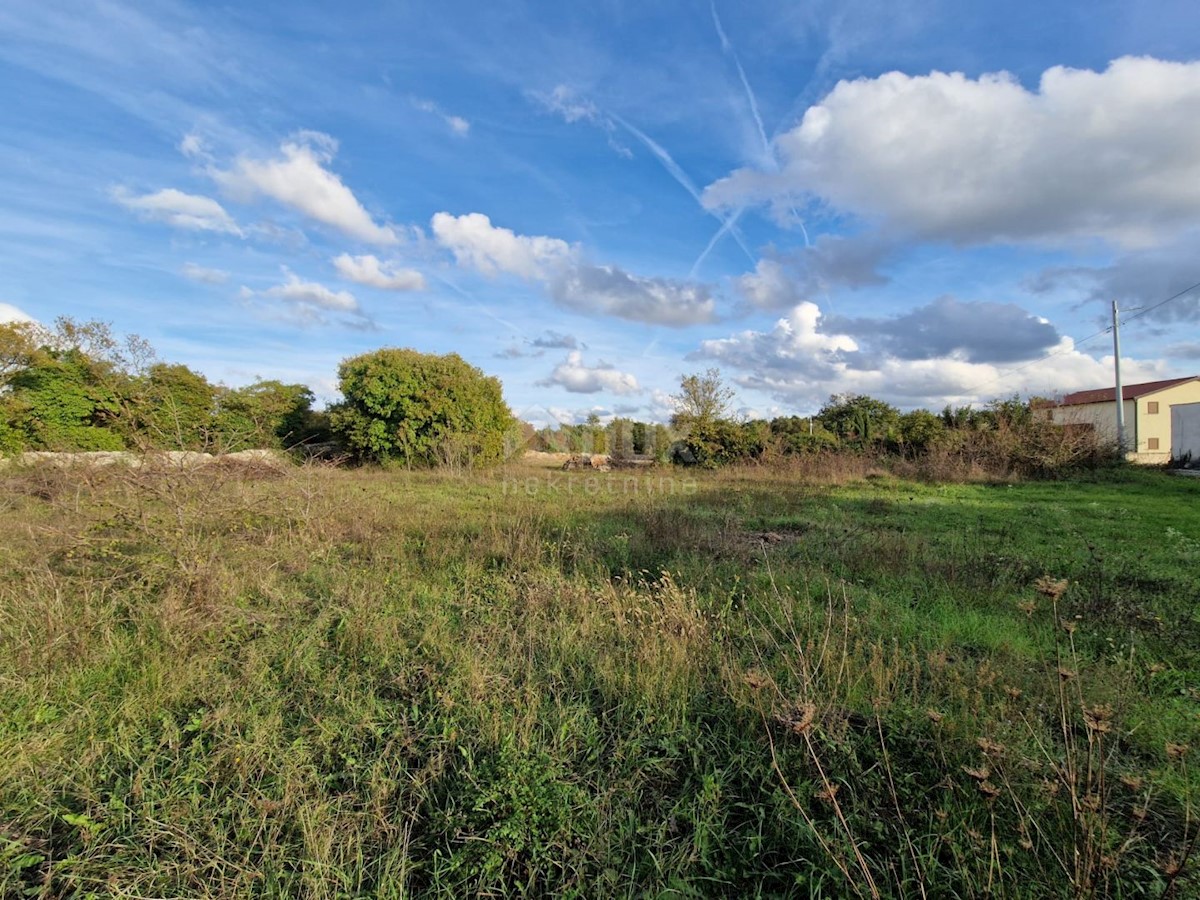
(1158, 425)
(1141, 425)
(1185, 431)
(1101, 416)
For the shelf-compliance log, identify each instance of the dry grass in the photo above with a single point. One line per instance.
(236, 682)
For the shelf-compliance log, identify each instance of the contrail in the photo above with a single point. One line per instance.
(720, 233)
(676, 172)
(727, 46)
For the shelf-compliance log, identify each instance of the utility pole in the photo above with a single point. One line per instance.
(1116, 330)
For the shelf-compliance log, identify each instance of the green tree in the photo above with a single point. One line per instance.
(421, 409)
(61, 402)
(702, 400)
(174, 408)
(638, 438)
(267, 414)
(919, 430)
(858, 419)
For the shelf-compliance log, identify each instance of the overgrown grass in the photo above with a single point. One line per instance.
(232, 682)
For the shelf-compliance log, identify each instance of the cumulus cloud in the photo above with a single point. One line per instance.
(573, 283)
(308, 301)
(977, 331)
(782, 281)
(369, 270)
(1143, 278)
(1112, 154)
(612, 291)
(191, 212)
(573, 375)
(204, 275)
(298, 177)
(477, 243)
(800, 363)
(10, 314)
(555, 340)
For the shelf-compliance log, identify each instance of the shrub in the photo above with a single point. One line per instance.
(420, 409)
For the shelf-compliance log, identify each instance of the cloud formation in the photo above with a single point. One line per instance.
(801, 361)
(782, 281)
(203, 274)
(308, 301)
(477, 243)
(369, 270)
(10, 314)
(191, 212)
(456, 124)
(1112, 155)
(612, 291)
(976, 331)
(573, 375)
(298, 177)
(573, 283)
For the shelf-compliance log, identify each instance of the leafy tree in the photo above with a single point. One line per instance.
(919, 430)
(61, 402)
(174, 408)
(702, 400)
(796, 435)
(268, 414)
(638, 438)
(422, 409)
(859, 419)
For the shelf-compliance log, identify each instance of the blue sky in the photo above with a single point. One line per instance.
(924, 200)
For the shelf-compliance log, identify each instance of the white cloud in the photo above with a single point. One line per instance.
(203, 274)
(1112, 154)
(369, 270)
(308, 300)
(10, 314)
(612, 291)
(477, 243)
(573, 375)
(564, 101)
(799, 364)
(193, 147)
(298, 178)
(191, 212)
(457, 124)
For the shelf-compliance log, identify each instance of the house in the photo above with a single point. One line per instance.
(1147, 414)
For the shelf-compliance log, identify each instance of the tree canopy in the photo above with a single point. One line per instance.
(421, 409)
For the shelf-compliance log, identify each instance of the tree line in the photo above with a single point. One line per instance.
(77, 386)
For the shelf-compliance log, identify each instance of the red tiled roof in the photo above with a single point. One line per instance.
(1128, 391)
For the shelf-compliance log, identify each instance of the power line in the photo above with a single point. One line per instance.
(1150, 309)
(1079, 343)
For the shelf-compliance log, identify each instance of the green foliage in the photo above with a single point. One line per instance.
(420, 409)
(268, 414)
(638, 437)
(918, 430)
(62, 401)
(174, 408)
(795, 435)
(859, 420)
(703, 399)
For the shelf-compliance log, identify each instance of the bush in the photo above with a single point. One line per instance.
(421, 409)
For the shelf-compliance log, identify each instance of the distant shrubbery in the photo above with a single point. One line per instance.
(78, 388)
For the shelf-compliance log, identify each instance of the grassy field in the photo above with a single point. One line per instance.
(821, 682)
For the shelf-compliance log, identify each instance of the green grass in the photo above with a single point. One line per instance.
(225, 683)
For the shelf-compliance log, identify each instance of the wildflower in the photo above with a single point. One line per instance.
(800, 719)
(980, 774)
(1098, 718)
(1069, 626)
(1050, 587)
(1028, 607)
(1177, 751)
(756, 679)
(988, 746)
